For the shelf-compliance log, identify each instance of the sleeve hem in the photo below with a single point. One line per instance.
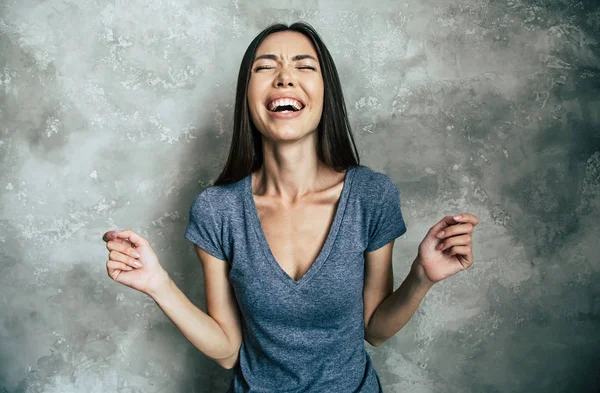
(385, 240)
(198, 241)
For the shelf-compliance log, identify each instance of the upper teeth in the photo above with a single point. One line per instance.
(284, 102)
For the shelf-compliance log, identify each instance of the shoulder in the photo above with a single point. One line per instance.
(220, 199)
(371, 183)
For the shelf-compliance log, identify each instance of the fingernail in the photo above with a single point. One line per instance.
(135, 254)
(441, 245)
(457, 217)
(441, 234)
(137, 263)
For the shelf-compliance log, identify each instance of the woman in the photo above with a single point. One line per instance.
(295, 236)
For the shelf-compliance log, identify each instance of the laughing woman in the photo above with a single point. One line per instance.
(295, 236)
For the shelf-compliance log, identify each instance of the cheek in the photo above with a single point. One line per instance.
(254, 116)
(317, 91)
(318, 100)
(251, 93)
(253, 98)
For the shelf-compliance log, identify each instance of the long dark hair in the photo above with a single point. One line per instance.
(335, 146)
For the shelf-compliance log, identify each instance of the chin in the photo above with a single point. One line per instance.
(288, 134)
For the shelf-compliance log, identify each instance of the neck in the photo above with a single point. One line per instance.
(290, 170)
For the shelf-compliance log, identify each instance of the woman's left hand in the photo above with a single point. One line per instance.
(447, 248)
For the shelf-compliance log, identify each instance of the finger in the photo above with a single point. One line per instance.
(461, 240)
(113, 268)
(116, 265)
(110, 235)
(463, 251)
(454, 230)
(443, 223)
(123, 246)
(113, 273)
(132, 236)
(467, 217)
(117, 256)
(122, 241)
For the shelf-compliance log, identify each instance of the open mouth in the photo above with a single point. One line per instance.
(285, 105)
(286, 109)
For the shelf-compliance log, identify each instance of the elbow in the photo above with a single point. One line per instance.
(374, 341)
(227, 365)
(229, 362)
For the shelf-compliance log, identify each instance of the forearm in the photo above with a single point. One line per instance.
(397, 309)
(197, 326)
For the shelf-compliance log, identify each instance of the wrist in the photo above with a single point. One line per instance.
(419, 275)
(160, 285)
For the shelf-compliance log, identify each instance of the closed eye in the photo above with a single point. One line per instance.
(300, 68)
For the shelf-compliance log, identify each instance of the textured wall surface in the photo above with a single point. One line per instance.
(116, 114)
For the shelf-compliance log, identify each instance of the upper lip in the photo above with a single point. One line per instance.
(283, 95)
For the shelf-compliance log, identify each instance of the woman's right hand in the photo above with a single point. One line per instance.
(132, 261)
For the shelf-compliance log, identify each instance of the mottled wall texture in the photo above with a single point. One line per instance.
(116, 114)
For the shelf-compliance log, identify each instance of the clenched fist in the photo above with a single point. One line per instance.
(132, 261)
(447, 248)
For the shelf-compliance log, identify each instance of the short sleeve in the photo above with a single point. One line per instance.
(390, 224)
(202, 229)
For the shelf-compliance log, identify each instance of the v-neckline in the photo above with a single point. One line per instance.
(327, 246)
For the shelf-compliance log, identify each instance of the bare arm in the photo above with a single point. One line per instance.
(386, 311)
(216, 334)
(445, 251)
(396, 310)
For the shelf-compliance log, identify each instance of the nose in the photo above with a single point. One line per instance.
(284, 78)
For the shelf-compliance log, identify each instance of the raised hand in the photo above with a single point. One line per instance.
(447, 248)
(132, 261)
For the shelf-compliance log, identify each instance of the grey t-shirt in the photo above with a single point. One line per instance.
(306, 335)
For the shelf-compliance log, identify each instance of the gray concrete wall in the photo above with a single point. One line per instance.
(115, 114)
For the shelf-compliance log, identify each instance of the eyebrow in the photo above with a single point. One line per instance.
(295, 58)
